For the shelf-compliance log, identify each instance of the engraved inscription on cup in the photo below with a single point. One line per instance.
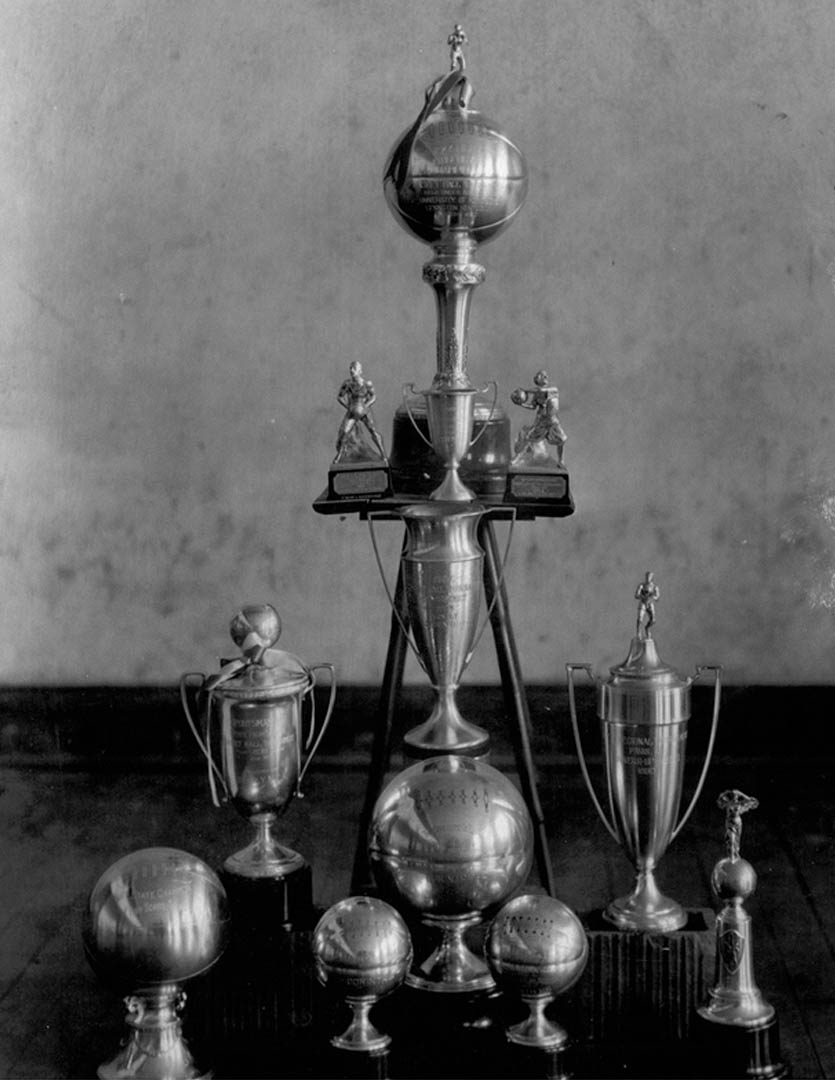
(260, 752)
(646, 768)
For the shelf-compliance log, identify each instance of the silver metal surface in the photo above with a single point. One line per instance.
(454, 181)
(735, 999)
(542, 443)
(362, 949)
(442, 569)
(644, 708)
(536, 949)
(450, 837)
(252, 735)
(358, 438)
(154, 919)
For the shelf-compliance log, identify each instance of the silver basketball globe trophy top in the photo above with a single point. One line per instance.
(454, 181)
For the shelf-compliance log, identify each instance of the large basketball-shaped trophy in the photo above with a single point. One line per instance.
(155, 919)
(644, 709)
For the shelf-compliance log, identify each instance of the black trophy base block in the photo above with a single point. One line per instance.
(354, 1064)
(731, 1050)
(261, 907)
(537, 486)
(359, 480)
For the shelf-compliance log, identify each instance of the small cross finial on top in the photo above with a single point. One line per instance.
(455, 41)
(735, 804)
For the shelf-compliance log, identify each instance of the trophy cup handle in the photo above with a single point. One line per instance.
(499, 584)
(213, 771)
(569, 670)
(495, 386)
(311, 750)
(717, 690)
(409, 388)
(398, 168)
(391, 600)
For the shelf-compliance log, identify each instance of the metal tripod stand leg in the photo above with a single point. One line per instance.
(362, 879)
(515, 699)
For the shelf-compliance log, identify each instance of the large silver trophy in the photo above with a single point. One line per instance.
(644, 709)
(252, 735)
(453, 181)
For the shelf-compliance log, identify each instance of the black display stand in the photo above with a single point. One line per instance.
(506, 654)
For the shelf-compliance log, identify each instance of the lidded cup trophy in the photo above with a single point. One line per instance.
(252, 735)
(155, 919)
(644, 709)
(454, 181)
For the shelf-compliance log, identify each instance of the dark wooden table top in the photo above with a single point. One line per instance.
(63, 820)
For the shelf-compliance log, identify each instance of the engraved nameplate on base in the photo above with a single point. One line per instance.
(359, 480)
(536, 485)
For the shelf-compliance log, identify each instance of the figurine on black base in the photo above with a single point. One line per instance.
(360, 469)
(740, 1024)
(537, 470)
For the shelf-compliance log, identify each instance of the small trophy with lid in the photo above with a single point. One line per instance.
(251, 720)
(644, 709)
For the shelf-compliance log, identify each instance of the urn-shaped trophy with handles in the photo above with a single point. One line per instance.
(644, 710)
(251, 735)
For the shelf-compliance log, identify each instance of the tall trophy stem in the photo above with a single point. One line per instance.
(453, 275)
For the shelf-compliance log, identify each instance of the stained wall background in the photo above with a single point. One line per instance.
(195, 246)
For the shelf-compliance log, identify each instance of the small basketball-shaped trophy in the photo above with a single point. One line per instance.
(362, 950)
(536, 949)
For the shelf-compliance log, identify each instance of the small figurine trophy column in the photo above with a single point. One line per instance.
(739, 1023)
(537, 469)
(360, 469)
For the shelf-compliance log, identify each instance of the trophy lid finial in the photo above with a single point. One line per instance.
(735, 804)
(254, 629)
(646, 594)
(455, 41)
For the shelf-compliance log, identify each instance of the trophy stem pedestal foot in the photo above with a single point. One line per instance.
(452, 967)
(361, 1036)
(156, 1047)
(446, 731)
(646, 908)
(536, 1030)
(452, 489)
(264, 857)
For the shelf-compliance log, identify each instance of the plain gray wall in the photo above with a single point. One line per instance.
(195, 245)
